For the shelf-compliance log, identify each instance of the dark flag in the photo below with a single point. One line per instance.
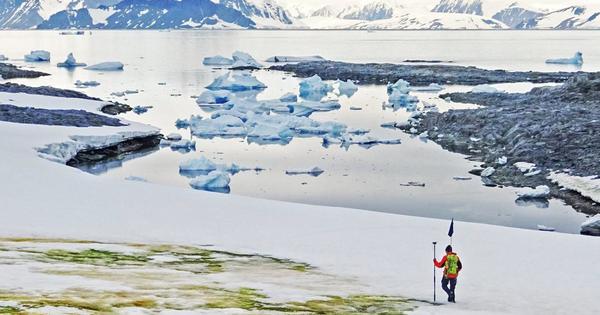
(451, 230)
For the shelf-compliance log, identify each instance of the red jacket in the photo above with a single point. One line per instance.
(442, 264)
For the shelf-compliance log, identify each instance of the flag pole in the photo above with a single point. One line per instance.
(434, 284)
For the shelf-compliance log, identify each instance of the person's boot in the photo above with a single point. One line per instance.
(452, 298)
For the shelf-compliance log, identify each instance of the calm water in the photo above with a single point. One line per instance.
(357, 177)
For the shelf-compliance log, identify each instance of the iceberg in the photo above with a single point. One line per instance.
(238, 81)
(70, 62)
(217, 61)
(183, 144)
(577, 59)
(347, 88)
(225, 125)
(314, 88)
(215, 180)
(38, 56)
(141, 109)
(85, 84)
(275, 59)
(433, 87)
(200, 164)
(398, 94)
(315, 171)
(242, 60)
(106, 66)
(485, 88)
(542, 191)
(211, 97)
(289, 97)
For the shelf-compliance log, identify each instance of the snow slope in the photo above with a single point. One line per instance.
(506, 271)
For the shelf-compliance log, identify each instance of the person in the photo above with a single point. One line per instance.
(452, 266)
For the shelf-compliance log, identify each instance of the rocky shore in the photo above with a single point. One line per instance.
(556, 128)
(8, 71)
(90, 156)
(416, 74)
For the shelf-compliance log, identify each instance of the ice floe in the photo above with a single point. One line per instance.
(433, 87)
(38, 56)
(289, 97)
(542, 191)
(141, 109)
(398, 94)
(199, 164)
(107, 66)
(183, 144)
(236, 81)
(315, 171)
(347, 88)
(577, 59)
(485, 88)
(211, 97)
(70, 62)
(136, 179)
(174, 137)
(217, 61)
(275, 59)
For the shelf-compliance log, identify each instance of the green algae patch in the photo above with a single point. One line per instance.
(95, 257)
(244, 298)
(9, 310)
(352, 305)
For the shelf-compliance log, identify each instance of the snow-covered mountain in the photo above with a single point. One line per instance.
(303, 14)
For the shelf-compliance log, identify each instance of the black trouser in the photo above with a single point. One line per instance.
(449, 291)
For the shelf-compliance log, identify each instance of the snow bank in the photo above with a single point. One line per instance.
(38, 56)
(577, 59)
(586, 186)
(107, 66)
(236, 81)
(70, 62)
(217, 61)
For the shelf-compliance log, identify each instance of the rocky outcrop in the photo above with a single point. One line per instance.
(88, 156)
(43, 90)
(557, 128)
(416, 75)
(55, 117)
(8, 71)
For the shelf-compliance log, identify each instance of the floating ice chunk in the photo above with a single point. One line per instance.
(184, 144)
(229, 112)
(242, 60)
(577, 59)
(217, 61)
(591, 226)
(355, 108)
(225, 125)
(400, 85)
(365, 141)
(358, 131)
(199, 164)
(485, 88)
(314, 88)
(545, 228)
(236, 81)
(502, 160)
(289, 97)
(315, 171)
(107, 66)
(3, 57)
(214, 180)
(398, 94)
(525, 167)
(84, 84)
(413, 184)
(38, 56)
(70, 62)
(433, 87)
(542, 191)
(182, 123)
(136, 179)
(211, 97)
(141, 109)
(174, 136)
(295, 59)
(347, 88)
(488, 172)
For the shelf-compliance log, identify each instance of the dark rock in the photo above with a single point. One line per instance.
(115, 108)
(55, 117)
(418, 75)
(43, 90)
(8, 71)
(85, 157)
